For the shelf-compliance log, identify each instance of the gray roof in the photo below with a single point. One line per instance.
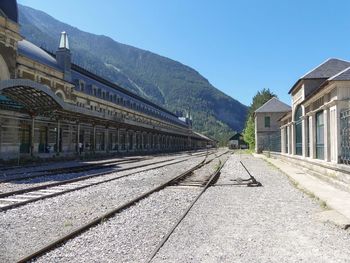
(343, 75)
(327, 69)
(34, 52)
(274, 105)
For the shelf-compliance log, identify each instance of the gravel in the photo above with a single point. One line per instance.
(273, 223)
(38, 181)
(130, 236)
(23, 229)
(61, 164)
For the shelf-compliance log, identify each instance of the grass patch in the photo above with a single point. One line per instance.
(217, 165)
(67, 224)
(244, 151)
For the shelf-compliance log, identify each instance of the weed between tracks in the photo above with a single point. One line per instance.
(217, 165)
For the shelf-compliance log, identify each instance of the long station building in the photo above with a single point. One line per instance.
(50, 106)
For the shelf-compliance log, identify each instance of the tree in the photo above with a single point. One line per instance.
(258, 100)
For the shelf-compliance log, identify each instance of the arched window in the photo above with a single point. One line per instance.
(298, 131)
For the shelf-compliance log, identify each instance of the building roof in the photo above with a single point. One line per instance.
(342, 75)
(202, 136)
(273, 105)
(236, 136)
(38, 54)
(326, 70)
(10, 9)
(35, 53)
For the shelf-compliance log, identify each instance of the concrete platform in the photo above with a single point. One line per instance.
(335, 199)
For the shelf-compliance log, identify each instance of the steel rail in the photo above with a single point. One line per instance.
(24, 202)
(212, 179)
(109, 214)
(71, 169)
(78, 169)
(4, 168)
(29, 189)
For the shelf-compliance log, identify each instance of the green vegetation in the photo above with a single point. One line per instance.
(258, 100)
(166, 82)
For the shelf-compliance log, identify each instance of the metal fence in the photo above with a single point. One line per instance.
(345, 136)
(272, 142)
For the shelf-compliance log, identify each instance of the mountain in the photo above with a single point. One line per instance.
(166, 82)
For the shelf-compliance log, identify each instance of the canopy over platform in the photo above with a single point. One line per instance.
(35, 98)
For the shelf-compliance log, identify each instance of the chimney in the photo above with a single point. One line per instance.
(63, 56)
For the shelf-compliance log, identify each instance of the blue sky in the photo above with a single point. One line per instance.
(239, 46)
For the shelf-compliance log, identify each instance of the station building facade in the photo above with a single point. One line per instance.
(267, 125)
(317, 129)
(51, 106)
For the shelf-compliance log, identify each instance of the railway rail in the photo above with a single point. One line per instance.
(205, 183)
(173, 181)
(74, 169)
(24, 196)
(4, 168)
(69, 169)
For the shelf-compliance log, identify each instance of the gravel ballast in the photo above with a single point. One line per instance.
(31, 226)
(44, 180)
(273, 223)
(130, 236)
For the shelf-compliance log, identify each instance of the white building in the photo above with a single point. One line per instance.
(316, 131)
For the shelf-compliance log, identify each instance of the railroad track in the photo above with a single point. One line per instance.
(14, 167)
(74, 169)
(205, 182)
(70, 169)
(173, 181)
(10, 200)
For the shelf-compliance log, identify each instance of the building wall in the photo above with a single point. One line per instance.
(264, 134)
(101, 123)
(330, 102)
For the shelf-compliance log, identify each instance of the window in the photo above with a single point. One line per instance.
(319, 135)
(298, 131)
(267, 121)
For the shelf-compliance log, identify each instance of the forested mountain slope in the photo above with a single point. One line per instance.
(166, 82)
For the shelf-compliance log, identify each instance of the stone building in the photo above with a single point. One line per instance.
(51, 106)
(267, 125)
(318, 126)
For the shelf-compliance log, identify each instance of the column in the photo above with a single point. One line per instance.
(134, 141)
(127, 139)
(312, 137)
(32, 136)
(288, 138)
(283, 143)
(58, 136)
(326, 135)
(292, 135)
(118, 139)
(78, 138)
(334, 126)
(142, 142)
(94, 138)
(304, 136)
(106, 139)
